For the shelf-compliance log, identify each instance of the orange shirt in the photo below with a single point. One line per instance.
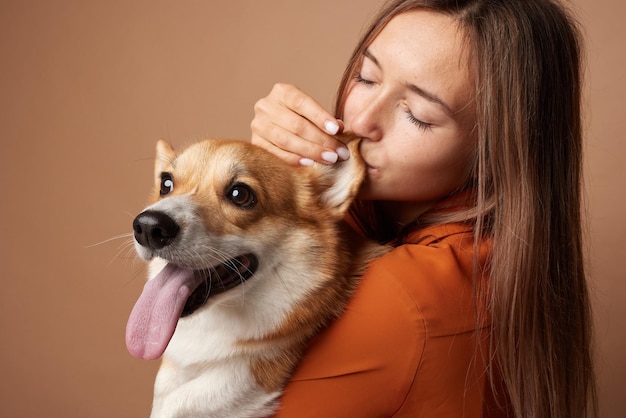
(407, 344)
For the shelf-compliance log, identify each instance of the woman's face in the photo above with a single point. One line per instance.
(411, 99)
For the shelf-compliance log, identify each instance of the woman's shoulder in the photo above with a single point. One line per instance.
(424, 286)
(435, 269)
(417, 292)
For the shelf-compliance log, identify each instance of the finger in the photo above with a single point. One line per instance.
(304, 144)
(290, 158)
(294, 133)
(303, 104)
(288, 146)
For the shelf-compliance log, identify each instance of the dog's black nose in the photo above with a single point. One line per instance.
(155, 229)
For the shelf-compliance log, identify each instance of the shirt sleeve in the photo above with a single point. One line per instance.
(404, 347)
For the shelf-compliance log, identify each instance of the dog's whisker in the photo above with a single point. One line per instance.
(277, 268)
(130, 215)
(137, 274)
(126, 252)
(209, 284)
(113, 238)
(125, 247)
(236, 266)
(212, 255)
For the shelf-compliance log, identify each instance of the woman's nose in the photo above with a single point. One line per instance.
(369, 119)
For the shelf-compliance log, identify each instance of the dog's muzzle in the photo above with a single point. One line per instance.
(155, 230)
(176, 291)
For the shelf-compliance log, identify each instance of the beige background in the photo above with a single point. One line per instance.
(87, 87)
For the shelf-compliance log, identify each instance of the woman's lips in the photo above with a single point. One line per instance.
(370, 167)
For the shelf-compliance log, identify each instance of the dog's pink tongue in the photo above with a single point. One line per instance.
(153, 319)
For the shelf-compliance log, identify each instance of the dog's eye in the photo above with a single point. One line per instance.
(167, 184)
(241, 195)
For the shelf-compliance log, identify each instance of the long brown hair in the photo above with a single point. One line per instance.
(525, 193)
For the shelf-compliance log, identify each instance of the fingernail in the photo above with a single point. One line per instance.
(331, 127)
(306, 161)
(343, 153)
(329, 156)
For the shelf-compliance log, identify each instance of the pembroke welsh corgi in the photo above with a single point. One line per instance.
(249, 258)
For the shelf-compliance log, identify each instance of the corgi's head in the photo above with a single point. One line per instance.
(225, 205)
(218, 191)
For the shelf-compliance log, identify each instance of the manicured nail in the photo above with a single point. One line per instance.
(331, 127)
(343, 153)
(306, 161)
(329, 156)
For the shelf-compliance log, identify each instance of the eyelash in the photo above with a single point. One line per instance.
(424, 126)
(359, 79)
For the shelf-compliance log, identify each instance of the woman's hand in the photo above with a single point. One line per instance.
(292, 125)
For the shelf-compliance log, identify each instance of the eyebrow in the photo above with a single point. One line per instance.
(431, 97)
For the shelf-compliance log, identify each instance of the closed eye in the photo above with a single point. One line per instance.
(425, 126)
(359, 79)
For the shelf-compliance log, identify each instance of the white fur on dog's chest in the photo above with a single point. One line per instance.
(213, 377)
(208, 389)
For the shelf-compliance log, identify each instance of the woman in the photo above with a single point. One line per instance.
(470, 116)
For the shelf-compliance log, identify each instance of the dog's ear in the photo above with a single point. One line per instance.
(343, 179)
(165, 155)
